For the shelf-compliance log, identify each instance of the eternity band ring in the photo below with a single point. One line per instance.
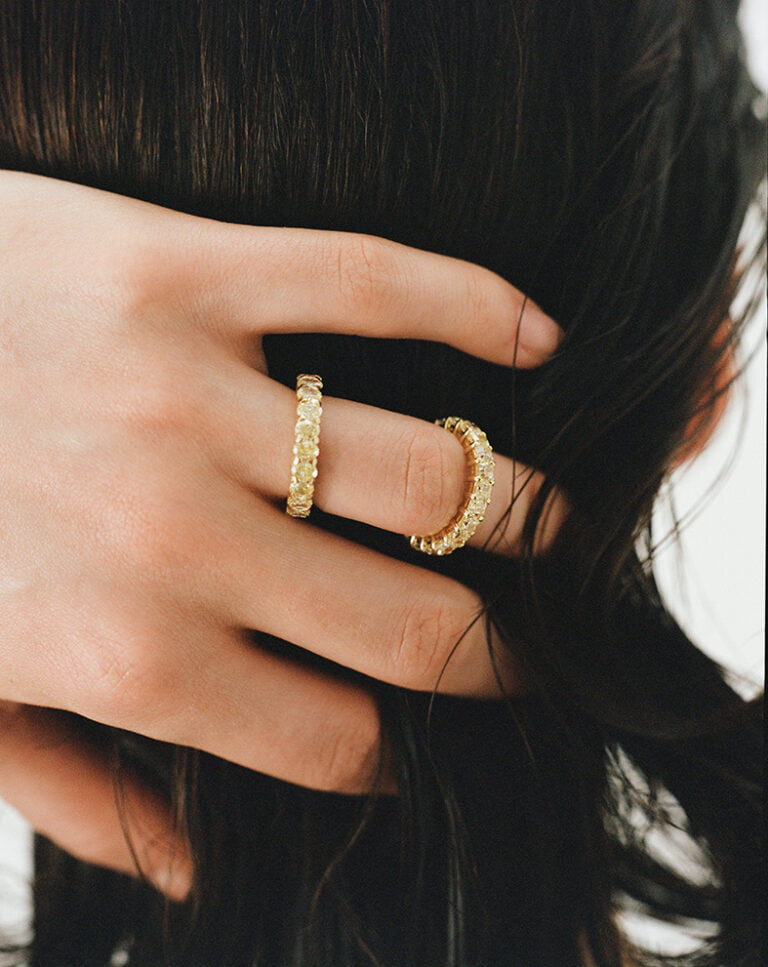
(309, 394)
(477, 490)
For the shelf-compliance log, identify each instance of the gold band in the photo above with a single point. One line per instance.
(477, 492)
(305, 447)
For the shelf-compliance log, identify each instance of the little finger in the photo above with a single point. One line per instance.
(66, 790)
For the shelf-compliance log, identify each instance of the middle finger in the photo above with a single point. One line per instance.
(381, 468)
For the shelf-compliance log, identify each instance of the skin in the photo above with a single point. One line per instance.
(144, 462)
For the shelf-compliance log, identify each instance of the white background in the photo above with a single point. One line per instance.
(714, 579)
(721, 598)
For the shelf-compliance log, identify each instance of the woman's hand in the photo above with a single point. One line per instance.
(144, 461)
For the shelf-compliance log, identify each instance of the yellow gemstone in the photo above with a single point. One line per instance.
(309, 410)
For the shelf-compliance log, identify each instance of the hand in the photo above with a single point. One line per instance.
(145, 455)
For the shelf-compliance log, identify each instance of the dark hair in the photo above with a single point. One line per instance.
(601, 156)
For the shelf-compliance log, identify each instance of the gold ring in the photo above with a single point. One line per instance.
(477, 490)
(305, 446)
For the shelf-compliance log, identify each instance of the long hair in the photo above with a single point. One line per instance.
(601, 156)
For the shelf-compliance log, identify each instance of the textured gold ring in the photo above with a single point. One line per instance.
(477, 490)
(309, 394)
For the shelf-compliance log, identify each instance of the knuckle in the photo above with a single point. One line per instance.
(156, 403)
(432, 480)
(155, 399)
(348, 761)
(119, 678)
(428, 632)
(364, 272)
(133, 680)
(486, 301)
(479, 295)
(155, 276)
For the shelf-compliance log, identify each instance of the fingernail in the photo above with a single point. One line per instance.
(539, 335)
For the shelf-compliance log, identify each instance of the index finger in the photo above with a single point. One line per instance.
(288, 280)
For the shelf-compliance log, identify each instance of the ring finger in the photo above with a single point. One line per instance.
(388, 619)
